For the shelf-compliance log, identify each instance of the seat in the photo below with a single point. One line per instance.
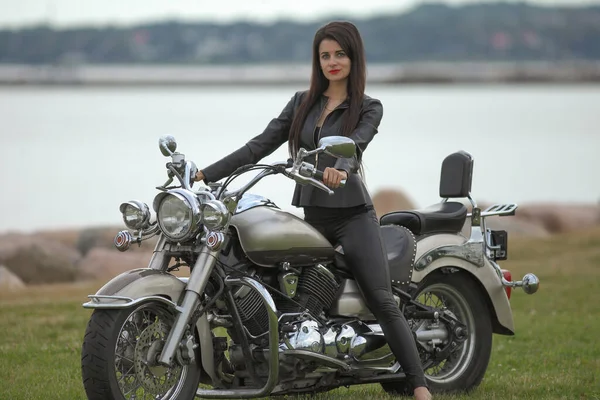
(400, 246)
(449, 216)
(443, 217)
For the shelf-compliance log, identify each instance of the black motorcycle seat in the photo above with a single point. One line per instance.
(442, 217)
(401, 248)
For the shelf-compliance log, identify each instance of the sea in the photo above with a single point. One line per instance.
(70, 155)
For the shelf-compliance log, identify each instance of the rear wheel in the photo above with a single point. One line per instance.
(119, 354)
(466, 365)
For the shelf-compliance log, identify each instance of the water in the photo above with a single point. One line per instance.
(72, 155)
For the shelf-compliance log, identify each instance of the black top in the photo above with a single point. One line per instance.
(354, 193)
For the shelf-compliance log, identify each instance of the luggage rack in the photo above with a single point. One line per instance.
(501, 210)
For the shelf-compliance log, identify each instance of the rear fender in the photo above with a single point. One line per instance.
(484, 274)
(145, 284)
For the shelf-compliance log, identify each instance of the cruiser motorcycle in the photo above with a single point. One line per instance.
(269, 307)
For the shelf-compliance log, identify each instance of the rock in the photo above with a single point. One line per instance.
(561, 218)
(92, 238)
(9, 281)
(101, 263)
(38, 260)
(516, 226)
(388, 200)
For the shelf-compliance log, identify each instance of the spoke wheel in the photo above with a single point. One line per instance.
(130, 370)
(464, 368)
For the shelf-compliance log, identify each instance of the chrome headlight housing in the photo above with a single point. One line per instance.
(215, 215)
(136, 215)
(178, 214)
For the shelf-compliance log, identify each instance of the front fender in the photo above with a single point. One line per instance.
(146, 284)
(485, 275)
(137, 284)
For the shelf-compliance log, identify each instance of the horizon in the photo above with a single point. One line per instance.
(61, 14)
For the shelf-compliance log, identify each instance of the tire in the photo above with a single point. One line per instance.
(115, 344)
(465, 299)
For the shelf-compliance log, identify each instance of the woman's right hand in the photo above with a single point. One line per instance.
(199, 176)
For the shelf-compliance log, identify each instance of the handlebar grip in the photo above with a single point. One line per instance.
(318, 175)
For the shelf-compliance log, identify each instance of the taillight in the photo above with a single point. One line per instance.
(508, 276)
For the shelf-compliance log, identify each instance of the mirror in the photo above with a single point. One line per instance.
(338, 146)
(167, 145)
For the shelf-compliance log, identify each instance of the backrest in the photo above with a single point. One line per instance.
(457, 175)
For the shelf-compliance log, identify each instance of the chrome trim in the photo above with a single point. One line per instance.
(288, 283)
(273, 352)
(426, 335)
(140, 206)
(250, 200)
(193, 292)
(167, 145)
(160, 260)
(206, 347)
(189, 198)
(97, 302)
(306, 337)
(330, 343)
(320, 358)
(218, 207)
(214, 240)
(500, 210)
(188, 306)
(471, 251)
(122, 240)
(530, 282)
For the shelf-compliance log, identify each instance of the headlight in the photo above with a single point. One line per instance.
(136, 214)
(214, 214)
(178, 214)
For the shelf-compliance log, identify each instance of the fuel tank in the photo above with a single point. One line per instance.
(270, 236)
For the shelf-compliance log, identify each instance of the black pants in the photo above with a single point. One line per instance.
(357, 230)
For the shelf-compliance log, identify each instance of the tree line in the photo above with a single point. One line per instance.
(430, 32)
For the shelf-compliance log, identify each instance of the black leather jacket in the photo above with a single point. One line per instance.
(277, 133)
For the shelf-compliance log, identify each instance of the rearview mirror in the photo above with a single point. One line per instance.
(338, 146)
(167, 145)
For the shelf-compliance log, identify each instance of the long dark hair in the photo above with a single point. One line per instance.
(348, 37)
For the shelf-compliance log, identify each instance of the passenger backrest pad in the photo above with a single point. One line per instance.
(457, 175)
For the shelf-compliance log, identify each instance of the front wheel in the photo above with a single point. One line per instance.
(119, 353)
(466, 365)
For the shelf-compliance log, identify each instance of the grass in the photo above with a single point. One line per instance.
(555, 353)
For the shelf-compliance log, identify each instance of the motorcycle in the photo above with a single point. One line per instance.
(269, 306)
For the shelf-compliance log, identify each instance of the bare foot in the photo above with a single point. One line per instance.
(422, 393)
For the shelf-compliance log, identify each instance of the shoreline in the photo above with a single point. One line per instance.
(447, 73)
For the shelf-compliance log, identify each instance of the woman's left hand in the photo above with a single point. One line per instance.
(332, 177)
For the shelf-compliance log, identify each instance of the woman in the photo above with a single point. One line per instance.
(336, 104)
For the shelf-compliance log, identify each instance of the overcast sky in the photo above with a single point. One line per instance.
(14, 13)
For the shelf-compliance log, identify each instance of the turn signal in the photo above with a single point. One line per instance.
(123, 240)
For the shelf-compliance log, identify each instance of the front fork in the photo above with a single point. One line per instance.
(193, 292)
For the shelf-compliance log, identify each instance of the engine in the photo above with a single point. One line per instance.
(314, 290)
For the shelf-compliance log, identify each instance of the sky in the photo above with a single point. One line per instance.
(63, 13)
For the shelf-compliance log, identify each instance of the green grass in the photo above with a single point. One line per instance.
(554, 355)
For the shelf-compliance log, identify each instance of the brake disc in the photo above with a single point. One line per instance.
(154, 378)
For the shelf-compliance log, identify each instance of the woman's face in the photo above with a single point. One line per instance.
(334, 61)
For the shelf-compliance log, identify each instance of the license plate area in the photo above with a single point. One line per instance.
(497, 245)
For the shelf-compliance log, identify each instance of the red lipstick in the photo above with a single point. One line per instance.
(334, 71)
